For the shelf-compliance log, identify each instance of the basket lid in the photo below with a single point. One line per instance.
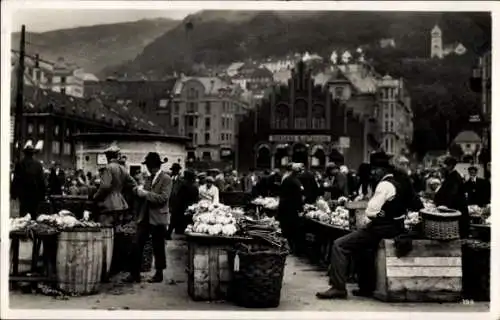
(441, 212)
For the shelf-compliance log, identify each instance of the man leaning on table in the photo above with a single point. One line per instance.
(385, 211)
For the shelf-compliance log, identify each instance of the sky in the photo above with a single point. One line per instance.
(40, 20)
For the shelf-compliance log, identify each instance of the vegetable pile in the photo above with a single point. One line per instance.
(65, 220)
(322, 212)
(412, 219)
(21, 223)
(268, 202)
(267, 229)
(213, 219)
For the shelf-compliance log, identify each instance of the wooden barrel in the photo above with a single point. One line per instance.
(79, 260)
(108, 235)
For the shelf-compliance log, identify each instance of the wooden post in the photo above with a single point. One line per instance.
(19, 118)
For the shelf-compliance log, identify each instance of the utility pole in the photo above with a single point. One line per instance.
(19, 118)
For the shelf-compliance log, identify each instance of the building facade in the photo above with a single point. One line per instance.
(207, 110)
(59, 76)
(436, 42)
(52, 119)
(300, 122)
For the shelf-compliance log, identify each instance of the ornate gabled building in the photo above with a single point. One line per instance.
(300, 122)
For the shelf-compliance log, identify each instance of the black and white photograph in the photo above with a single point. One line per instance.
(161, 156)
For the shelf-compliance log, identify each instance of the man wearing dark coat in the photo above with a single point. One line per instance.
(28, 184)
(57, 180)
(177, 217)
(452, 194)
(477, 189)
(311, 187)
(290, 204)
(187, 195)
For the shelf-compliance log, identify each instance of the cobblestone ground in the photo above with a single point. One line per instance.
(301, 282)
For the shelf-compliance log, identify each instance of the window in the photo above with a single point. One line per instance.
(195, 138)
(67, 148)
(67, 132)
(467, 145)
(339, 92)
(223, 123)
(392, 126)
(222, 137)
(176, 121)
(190, 135)
(63, 90)
(191, 107)
(190, 121)
(206, 155)
(56, 147)
(56, 130)
(63, 80)
(208, 107)
(30, 127)
(386, 126)
(386, 142)
(41, 128)
(38, 75)
(392, 110)
(207, 123)
(207, 138)
(163, 103)
(176, 107)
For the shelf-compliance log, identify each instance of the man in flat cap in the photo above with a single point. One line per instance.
(109, 197)
(477, 189)
(452, 193)
(153, 218)
(386, 211)
(28, 184)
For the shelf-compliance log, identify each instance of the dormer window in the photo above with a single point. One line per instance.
(339, 92)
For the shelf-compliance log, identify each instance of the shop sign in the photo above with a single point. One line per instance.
(101, 159)
(299, 138)
(344, 142)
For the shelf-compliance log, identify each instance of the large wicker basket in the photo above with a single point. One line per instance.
(441, 225)
(258, 280)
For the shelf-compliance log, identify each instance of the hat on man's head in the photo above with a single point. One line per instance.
(450, 161)
(28, 147)
(153, 158)
(175, 166)
(112, 149)
(332, 165)
(380, 159)
(472, 169)
(210, 179)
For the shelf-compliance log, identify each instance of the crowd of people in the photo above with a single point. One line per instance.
(158, 198)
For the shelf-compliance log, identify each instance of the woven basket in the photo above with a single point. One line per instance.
(441, 225)
(257, 283)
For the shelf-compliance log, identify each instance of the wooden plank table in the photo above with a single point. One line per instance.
(431, 272)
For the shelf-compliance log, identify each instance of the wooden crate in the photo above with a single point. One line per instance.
(432, 272)
(209, 273)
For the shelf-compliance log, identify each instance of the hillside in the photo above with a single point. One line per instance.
(215, 37)
(96, 47)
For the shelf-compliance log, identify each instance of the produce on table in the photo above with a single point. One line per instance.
(475, 211)
(268, 202)
(412, 219)
(267, 229)
(21, 223)
(65, 220)
(213, 219)
(340, 218)
(321, 212)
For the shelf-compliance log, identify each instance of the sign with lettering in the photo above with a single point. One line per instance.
(299, 138)
(101, 159)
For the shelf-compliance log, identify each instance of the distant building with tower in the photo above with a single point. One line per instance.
(440, 50)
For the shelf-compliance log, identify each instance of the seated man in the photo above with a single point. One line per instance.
(386, 211)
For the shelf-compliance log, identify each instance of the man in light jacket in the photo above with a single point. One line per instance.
(153, 218)
(109, 197)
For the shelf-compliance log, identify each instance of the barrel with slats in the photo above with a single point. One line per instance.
(79, 261)
(107, 249)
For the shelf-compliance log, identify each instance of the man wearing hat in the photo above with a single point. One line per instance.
(452, 194)
(109, 197)
(290, 204)
(153, 217)
(28, 184)
(386, 211)
(477, 189)
(177, 217)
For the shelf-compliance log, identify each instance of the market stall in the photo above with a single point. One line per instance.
(223, 244)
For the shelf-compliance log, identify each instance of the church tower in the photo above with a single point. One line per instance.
(436, 42)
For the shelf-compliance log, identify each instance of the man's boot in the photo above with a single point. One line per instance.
(332, 293)
(158, 277)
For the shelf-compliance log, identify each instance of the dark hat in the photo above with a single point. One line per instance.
(189, 174)
(175, 166)
(380, 159)
(472, 168)
(332, 165)
(450, 161)
(152, 158)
